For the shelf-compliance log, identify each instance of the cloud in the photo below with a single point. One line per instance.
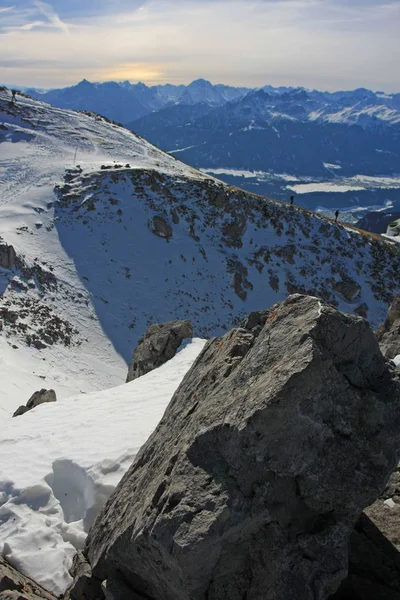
(315, 43)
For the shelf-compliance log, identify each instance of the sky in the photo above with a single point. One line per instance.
(322, 44)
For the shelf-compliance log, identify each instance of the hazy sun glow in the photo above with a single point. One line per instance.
(326, 44)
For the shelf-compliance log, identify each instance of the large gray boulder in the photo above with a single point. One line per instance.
(388, 334)
(277, 438)
(7, 256)
(159, 344)
(37, 398)
(15, 586)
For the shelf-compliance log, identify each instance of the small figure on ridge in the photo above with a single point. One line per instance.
(336, 215)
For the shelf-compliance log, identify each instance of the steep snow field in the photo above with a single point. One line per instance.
(61, 461)
(37, 143)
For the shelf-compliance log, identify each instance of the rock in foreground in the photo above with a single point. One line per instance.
(159, 344)
(279, 435)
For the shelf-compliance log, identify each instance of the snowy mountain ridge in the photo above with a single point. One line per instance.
(126, 102)
(133, 236)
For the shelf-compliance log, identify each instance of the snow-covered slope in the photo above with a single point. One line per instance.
(60, 462)
(45, 290)
(103, 252)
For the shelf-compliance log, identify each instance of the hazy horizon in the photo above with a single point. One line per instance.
(315, 44)
(23, 87)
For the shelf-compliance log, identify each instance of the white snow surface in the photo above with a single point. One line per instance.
(61, 461)
(37, 143)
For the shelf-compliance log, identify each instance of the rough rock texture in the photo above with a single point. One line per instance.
(389, 333)
(15, 586)
(160, 227)
(7, 256)
(37, 398)
(159, 344)
(374, 566)
(273, 444)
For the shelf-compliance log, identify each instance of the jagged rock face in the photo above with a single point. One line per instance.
(159, 344)
(278, 437)
(7, 256)
(389, 333)
(37, 398)
(15, 586)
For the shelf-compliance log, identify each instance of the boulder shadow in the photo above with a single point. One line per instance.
(374, 565)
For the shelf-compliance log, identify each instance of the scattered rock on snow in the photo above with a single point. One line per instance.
(160, 227)
(15, 586)
(347, 288)
(389, 332)
(159, 344)
(273, 444)
(37, 398)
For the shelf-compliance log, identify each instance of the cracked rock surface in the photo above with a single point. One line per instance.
(279, 435)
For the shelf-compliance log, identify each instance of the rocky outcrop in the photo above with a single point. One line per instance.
(160, 227)
(37, 398)
(159, 344)
(394, 228)
(15, 586)
(7, 256)
(389, 333)
(280, 434)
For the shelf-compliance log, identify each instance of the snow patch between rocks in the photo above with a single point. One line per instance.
(61, 461)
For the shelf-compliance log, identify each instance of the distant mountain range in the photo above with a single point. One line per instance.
(125, 102)
(273, 141)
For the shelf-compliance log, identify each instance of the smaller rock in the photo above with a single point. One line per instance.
(161, 228)
(389, 502)
(7, 256)
(348, 289)
(37, 398)
(159, 344)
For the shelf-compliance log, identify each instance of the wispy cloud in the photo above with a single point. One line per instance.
(315, 43)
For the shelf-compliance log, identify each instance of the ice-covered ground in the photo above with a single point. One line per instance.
(61, 461)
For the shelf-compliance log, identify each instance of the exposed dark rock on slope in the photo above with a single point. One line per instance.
(7, 256)
(278, 437)
(37, 398)
(389, 333)
(15, 586)
(159, 344)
